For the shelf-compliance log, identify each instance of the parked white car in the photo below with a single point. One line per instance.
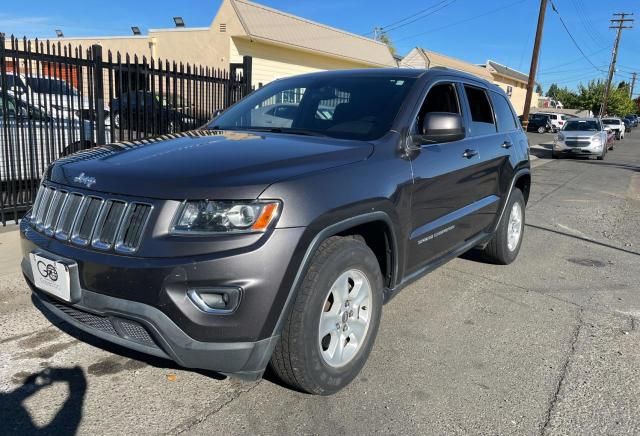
(31, 138)
(615, 124)
(557, 120)
(52, 92)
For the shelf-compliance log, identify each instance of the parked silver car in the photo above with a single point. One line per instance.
(581, 136)
(31, 138)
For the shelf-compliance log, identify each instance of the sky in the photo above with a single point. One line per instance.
(472, 30)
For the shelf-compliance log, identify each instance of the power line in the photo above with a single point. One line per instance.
(555, 9)
(461, 21)
(554, 67)
(409, 17)
(420, 18)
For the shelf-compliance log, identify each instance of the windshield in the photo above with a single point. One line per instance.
(344, 107)
(582, 126)
(611, 121)
(50, 86)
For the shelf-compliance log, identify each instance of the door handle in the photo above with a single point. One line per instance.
(507, 144)
(468, 153)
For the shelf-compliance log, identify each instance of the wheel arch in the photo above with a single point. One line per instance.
(367, 226)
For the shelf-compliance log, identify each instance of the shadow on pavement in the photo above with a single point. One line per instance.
(622, 166)
(16, 418)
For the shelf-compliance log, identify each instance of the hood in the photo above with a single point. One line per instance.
(203, 164)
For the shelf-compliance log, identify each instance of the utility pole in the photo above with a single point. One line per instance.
(377, 32)
(616, 23)
(633, 84)
(534, 64)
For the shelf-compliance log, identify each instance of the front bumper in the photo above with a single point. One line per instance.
(142, 303)
(591, 150)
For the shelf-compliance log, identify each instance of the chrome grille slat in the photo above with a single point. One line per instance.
(43, 208)
(86, 223)
(133, 225)
(108, 225)
(90, 220)
(68, 216)
(57, 202)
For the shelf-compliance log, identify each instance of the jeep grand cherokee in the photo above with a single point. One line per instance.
(251, 242)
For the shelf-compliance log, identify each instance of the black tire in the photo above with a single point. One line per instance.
(555, 155)
(542, 129)
(497, 250)
(297, 358)
(604, 153)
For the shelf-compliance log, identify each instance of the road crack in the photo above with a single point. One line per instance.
(563, 372)
(185, 427)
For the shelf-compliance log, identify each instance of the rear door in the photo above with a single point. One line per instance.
(449, 179)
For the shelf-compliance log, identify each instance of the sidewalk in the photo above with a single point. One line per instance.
(9, 250)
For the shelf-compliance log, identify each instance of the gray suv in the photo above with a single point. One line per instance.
(249, 243)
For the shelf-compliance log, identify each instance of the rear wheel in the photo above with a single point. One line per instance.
(334, 322)
(541, 129)
(505, 245)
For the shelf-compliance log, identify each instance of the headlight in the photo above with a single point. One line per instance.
(595, 139)
(208, 216)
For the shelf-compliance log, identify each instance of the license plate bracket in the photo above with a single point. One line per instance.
(55, 276)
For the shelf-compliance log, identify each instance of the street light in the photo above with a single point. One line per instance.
(179, 21)
(59, 33)
(136, 30)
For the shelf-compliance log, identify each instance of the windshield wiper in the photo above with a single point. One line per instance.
(287, 130)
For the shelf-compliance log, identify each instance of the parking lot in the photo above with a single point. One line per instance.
(546, 345)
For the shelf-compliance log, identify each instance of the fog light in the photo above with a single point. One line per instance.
(216, 300)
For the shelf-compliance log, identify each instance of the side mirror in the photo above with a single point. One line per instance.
(438, 127)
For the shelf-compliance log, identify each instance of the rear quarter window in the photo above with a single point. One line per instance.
(504, 115)
(482, 122)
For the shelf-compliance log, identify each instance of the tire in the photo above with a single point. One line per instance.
(542, 129)
(555, 155)
(300, 359)
(604, 153)
(499, 250)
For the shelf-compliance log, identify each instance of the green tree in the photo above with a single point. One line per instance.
(552, 92)
(539, 89)
(384, 38)
(590, 97)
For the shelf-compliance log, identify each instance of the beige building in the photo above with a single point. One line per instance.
(281, 44)
(513, 82)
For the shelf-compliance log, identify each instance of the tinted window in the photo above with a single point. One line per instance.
(504, 115)
(347, 107)
(50, 86)
(440, 98)
(585, 126)
(611, 121)
(481, 113)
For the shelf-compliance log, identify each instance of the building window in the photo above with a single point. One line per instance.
(509, 90)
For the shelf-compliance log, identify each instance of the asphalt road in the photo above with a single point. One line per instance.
(546, 345)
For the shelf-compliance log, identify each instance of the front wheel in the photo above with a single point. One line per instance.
(541, 129)
(334, 321)
(505, 245)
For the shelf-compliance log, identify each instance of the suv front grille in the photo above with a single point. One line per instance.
(89, 220)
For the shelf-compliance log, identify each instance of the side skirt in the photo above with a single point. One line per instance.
(480, 239)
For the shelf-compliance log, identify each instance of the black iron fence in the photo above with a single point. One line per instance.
(56, 99)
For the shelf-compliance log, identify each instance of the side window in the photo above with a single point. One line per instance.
(504, 115)
(440, 98)
(482, 122)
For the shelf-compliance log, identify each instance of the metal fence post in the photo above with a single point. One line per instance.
(98, 92)
(247, 73)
